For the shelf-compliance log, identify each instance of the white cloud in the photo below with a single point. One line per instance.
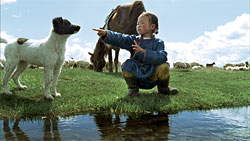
(8, 38)
(89, 44)
(7, 1)
(229, 43)
(19, 15)
(77, 40)
(77, 52)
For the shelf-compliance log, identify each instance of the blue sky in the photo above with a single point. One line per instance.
(181, 23)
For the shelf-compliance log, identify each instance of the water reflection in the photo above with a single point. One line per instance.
(224, 124)
(144, 127)
(19, 134)
(51, 131)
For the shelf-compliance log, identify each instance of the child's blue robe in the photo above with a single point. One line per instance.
(139, 65)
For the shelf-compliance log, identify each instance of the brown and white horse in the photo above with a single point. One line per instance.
(123, 20)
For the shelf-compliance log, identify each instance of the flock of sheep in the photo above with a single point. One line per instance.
(68, 64)
(237, 67)
(228, 67)
(177, 65)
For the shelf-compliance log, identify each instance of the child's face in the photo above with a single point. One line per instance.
(144, 27)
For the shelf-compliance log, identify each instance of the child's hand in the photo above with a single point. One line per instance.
(101, 32)
(137, 48)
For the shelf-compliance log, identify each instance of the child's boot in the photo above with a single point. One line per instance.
(163, 87)
(133, 89)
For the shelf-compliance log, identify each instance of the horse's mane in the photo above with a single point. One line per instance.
(100, 50)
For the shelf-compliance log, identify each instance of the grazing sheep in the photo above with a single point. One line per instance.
(237, 67)
(210, 65)
(244, 68)
(70, 64)
(195, 64)
(82, 64)
(196, 67)
(188, 65)
(228, 65)
(229, 68)
(240, 64)
(180, 65)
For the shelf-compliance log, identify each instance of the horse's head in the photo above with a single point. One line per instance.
(97, 58)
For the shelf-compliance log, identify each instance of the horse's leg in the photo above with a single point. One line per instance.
(110, 60)
(116, 59)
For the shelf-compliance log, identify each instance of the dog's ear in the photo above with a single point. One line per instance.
(57, 20)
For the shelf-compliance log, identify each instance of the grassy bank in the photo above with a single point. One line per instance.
(86, 91)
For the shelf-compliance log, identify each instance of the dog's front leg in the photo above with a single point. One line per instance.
(47, 81)
(56, 73)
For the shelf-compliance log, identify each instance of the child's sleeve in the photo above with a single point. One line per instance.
(157, 57)
(120, 40)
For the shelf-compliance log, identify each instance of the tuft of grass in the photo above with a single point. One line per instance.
(86, 91)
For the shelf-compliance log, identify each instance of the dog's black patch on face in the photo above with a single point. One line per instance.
(21, 41)
(63, 26)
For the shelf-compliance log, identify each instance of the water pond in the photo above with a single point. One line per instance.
(223, 124)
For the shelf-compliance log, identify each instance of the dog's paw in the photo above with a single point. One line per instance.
(56, 95)
(49, 97)
(23, 87)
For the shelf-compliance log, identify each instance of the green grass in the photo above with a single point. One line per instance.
(88, 91)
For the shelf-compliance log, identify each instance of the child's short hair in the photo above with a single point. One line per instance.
(152, 19)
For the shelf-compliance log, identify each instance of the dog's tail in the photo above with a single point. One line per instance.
(3, 40)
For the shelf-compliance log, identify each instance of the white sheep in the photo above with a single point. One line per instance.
(195, 64)
(180, 65)
(230, 68)
(70, 64)
(188, 65)
(240, 64)
(237, 67)
(228, 65)
(82, 64)
(244, 68)
(196, 67)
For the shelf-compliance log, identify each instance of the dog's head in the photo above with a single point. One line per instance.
(64, 27)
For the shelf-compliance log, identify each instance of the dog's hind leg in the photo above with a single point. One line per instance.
(9, 68)
(20, 68)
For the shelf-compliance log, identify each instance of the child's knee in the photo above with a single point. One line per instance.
(162, 72)
(163, 68)
(126, 74)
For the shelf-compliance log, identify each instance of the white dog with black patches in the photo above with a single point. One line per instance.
(49, 53)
